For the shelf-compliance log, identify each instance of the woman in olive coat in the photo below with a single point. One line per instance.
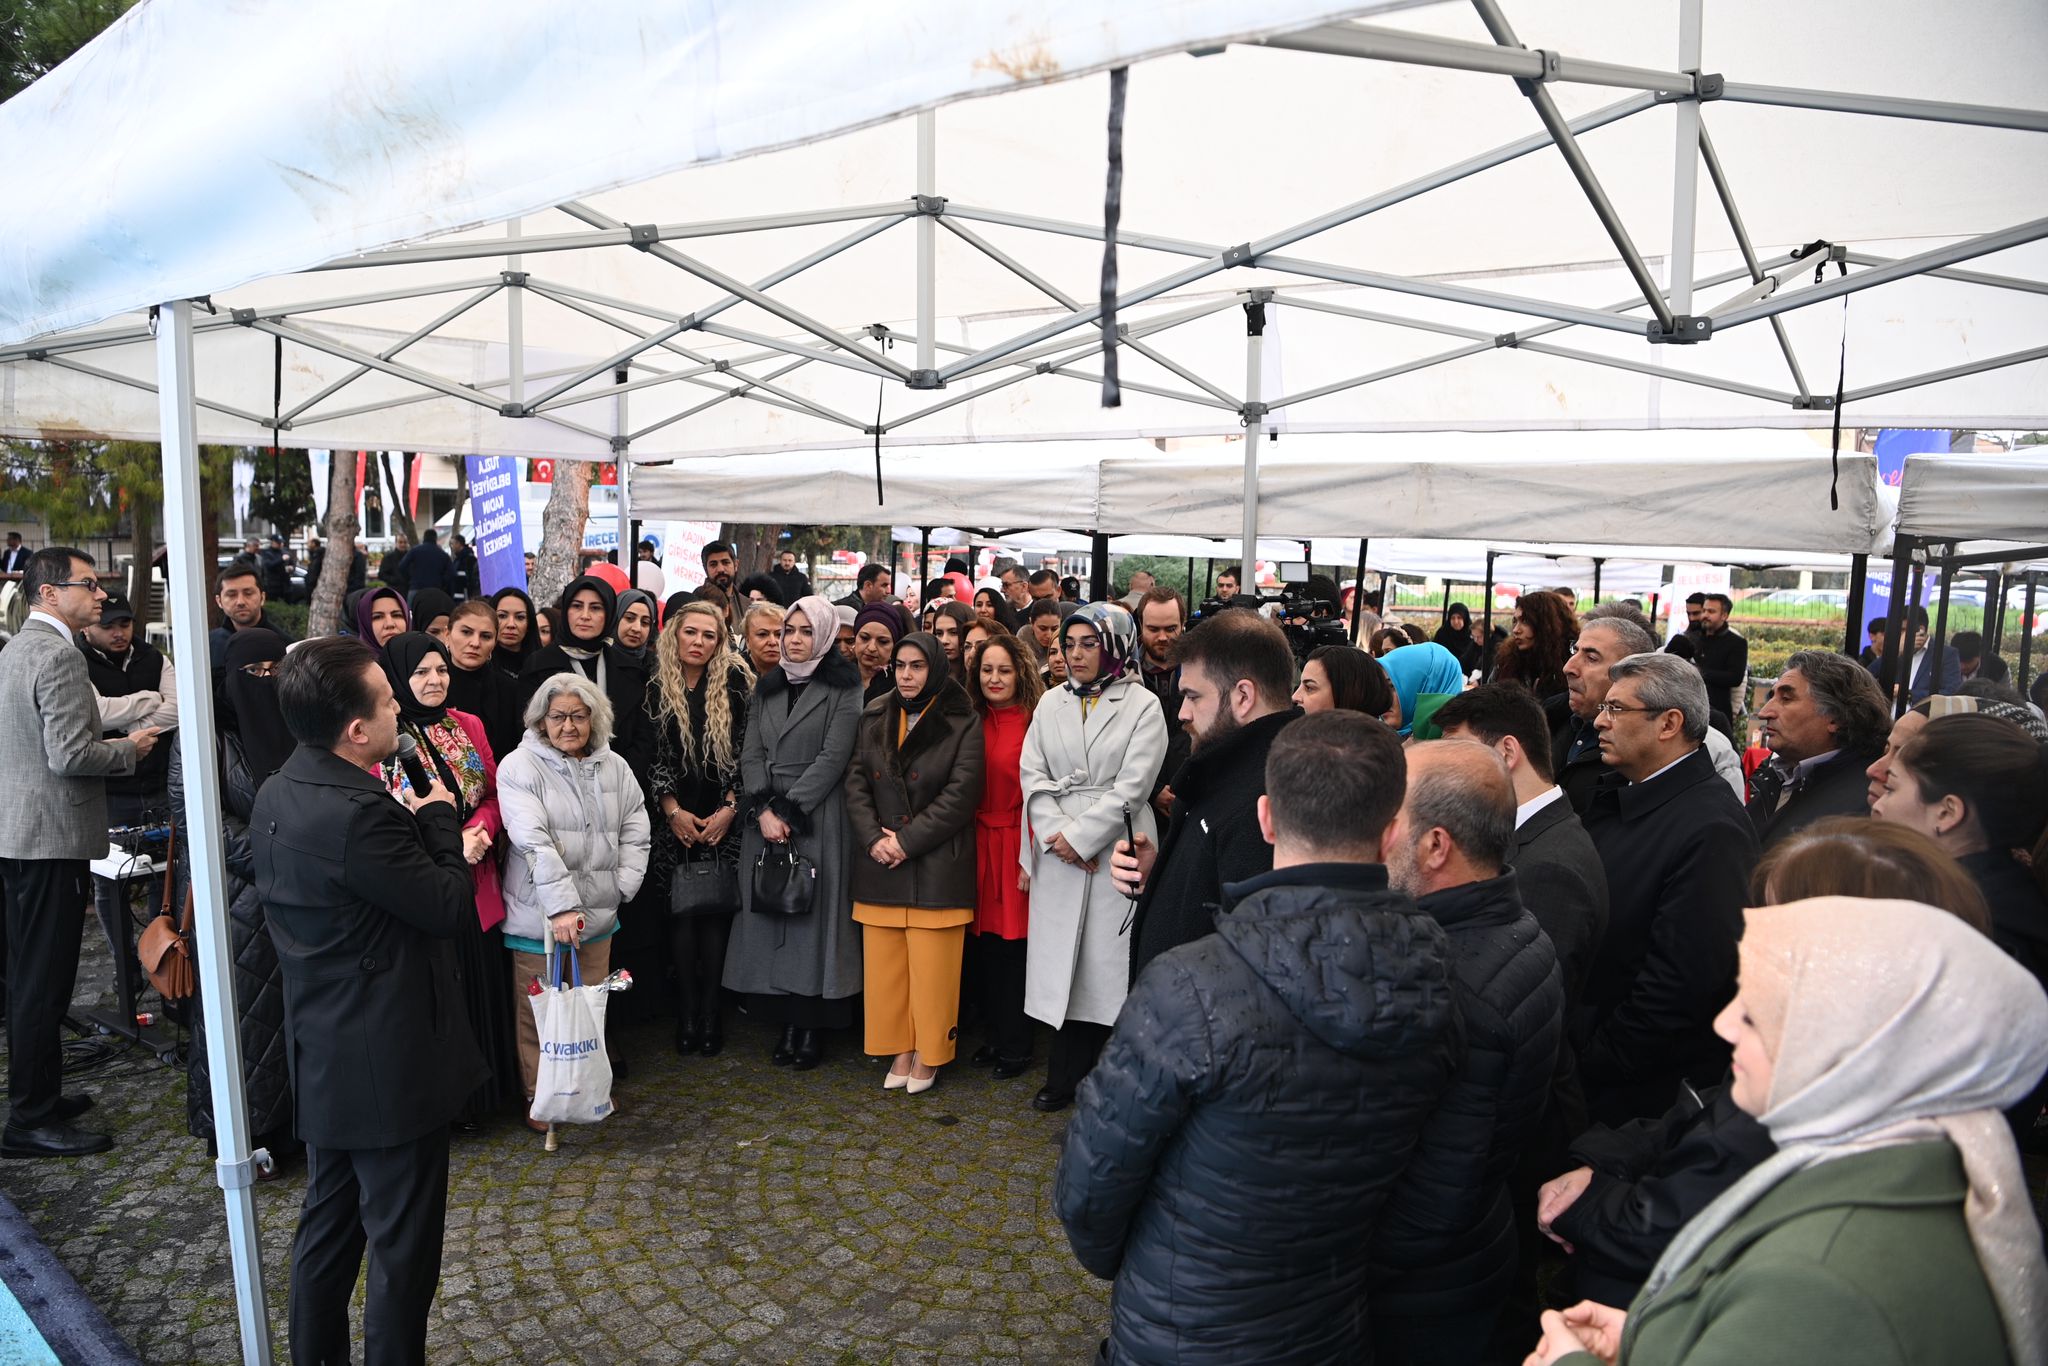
(1877, 1042)
(911, 796)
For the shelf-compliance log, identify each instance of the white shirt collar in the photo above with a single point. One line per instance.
(1673, 764)
(1536, 803)
(58, 626)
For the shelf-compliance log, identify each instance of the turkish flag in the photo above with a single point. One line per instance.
(540, 471)
(608, 475)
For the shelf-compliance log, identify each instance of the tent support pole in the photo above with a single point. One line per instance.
(1582, 170)
(2019, 679)
(1852, 634)
(191, 569)
(515, 322)
(1189, 605)
(1098, 567)
(1994, 611)
(628, 524)
(924, 563)
(1255, 423)
(1894, 622)
(1906, 266)
(1598, 562)
(1487, 632)
(1358, 593)
(1935, 646)
(1726, 195)
(927, 240)
(1685, 167)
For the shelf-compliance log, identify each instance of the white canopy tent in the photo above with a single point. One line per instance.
(1974, 512)
(707, 231)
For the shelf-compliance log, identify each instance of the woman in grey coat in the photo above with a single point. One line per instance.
(802, 971)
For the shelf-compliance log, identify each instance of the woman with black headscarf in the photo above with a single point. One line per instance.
(876, 629)
(911, 796)
(457, 756)
(518, 631)
(431, 611)
(251, 744)
(380, 615)
(585, 616)
(634, 627)
(1455, 635)
(473, 685)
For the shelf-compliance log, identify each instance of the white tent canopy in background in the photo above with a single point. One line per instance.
(1679, 491)
(1976, 498)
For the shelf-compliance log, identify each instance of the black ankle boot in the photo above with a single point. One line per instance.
(711, 1033)
(810, 1050)
(785, 1050)
(687, 1037)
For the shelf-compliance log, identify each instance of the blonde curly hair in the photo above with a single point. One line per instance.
(672, 695)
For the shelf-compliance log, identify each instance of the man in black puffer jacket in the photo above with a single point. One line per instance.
(1443, 1255)
(1266, 1084)
(1236, 686)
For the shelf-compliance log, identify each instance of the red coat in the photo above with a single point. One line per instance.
(1000, 908)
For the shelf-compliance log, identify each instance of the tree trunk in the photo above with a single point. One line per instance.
(338, 534)
(461, 495)
(397, 513)
(754, 545)
(561, 530)
(142, 544)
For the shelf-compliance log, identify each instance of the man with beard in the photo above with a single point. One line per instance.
(1236, 688)
(1161, 619)
(720, 565)
(875, 583)
(1016, 581)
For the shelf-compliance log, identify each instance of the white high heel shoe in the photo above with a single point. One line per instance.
(894, 1080)
(919, 1085)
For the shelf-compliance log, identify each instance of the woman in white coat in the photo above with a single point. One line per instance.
(576, 820)
(1090, 761)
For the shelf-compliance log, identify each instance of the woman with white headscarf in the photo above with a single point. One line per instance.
(800, 971)
(1090, 759)
(1877, 1042)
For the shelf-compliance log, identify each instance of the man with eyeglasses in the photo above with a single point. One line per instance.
(54, 822)
(1608, 633)
(1677, 850)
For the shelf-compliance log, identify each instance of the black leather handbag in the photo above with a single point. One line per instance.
(785, 882)
(703, 885)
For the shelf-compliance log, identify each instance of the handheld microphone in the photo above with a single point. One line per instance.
(415, 771)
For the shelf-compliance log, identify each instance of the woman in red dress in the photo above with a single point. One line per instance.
(1005, 687)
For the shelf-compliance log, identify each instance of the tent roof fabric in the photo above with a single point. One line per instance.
(1683, 492)
(1976, 497)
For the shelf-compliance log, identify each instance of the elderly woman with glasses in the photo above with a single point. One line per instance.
(576, 821)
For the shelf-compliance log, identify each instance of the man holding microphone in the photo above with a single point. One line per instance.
(364, 895)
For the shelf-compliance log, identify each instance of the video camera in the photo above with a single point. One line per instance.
(1308, 619)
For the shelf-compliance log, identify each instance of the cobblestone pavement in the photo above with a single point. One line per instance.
(733, 1212)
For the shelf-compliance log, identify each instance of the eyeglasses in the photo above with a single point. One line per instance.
(93, 584)
(568, 718)
(262, 668)
(1616, 709)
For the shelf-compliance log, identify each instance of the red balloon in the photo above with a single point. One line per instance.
(963, 588)
(612, 575)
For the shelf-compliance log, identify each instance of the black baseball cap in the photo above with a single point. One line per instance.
(114, 609)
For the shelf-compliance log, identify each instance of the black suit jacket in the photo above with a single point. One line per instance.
(1678, 851)
(364, 901)
(1564, 887)
(1835, 788)
(15, 561)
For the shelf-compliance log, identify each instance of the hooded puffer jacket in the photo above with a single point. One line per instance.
(1263, 1091)
(1446, 1241)
(579, 835)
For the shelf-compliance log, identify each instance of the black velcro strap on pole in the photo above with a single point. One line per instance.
(1112, 211)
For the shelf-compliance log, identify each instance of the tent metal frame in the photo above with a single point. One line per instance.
(1050, 348)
